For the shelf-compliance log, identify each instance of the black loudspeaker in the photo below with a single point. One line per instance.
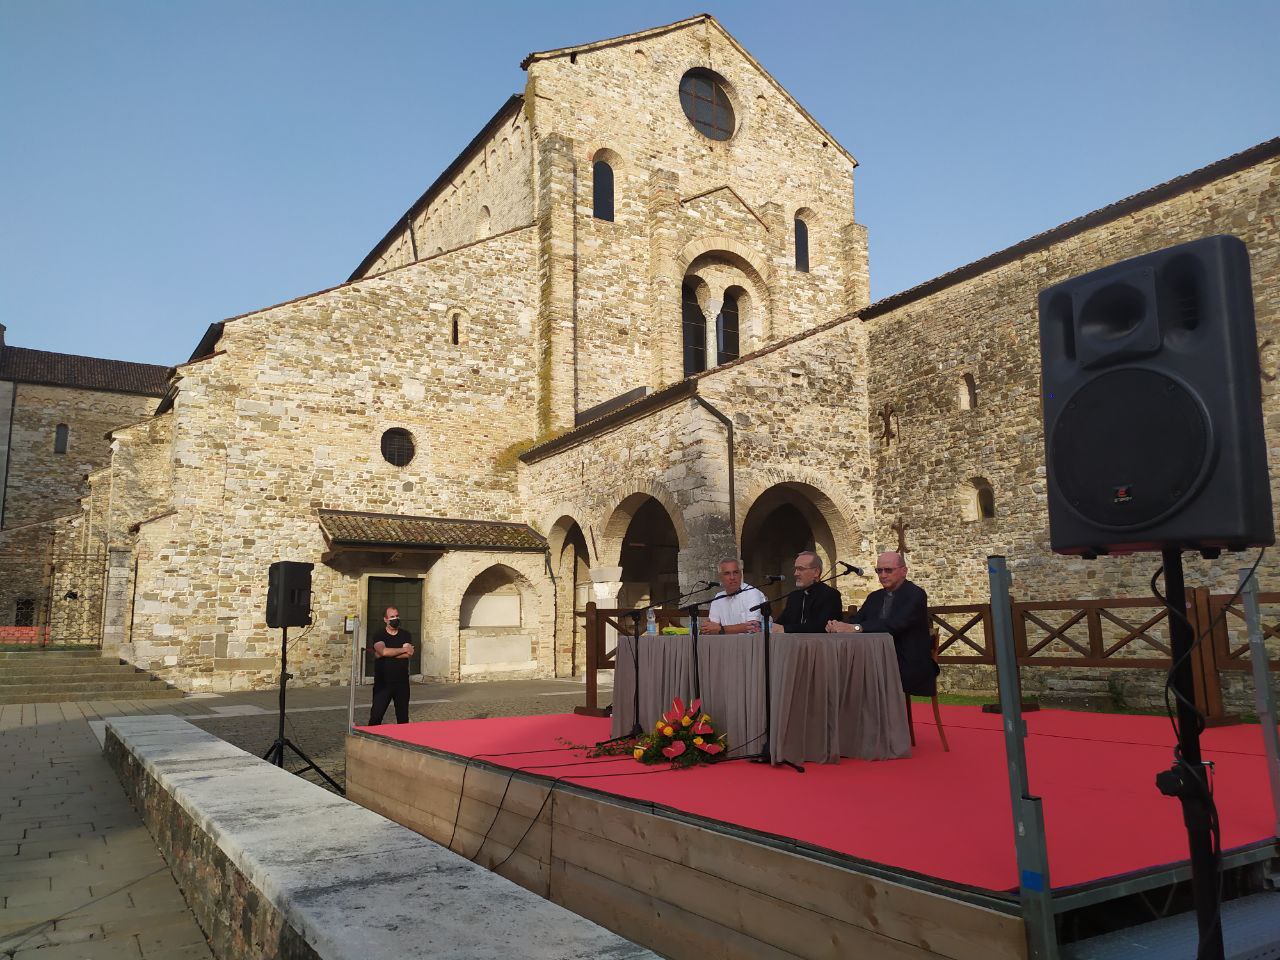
(289, 594)
(1153, 405)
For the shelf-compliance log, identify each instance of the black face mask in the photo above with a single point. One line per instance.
(394, 622)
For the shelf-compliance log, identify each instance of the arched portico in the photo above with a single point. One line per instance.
(785, 519)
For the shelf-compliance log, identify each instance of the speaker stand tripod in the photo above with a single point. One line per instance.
(275, 752)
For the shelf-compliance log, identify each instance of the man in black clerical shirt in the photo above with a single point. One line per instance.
(899, 608)
(816, 604)
(392, 650)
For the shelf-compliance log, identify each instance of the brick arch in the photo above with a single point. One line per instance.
(629, 499)
(755, 279)
(539, 606)
(557, 529)
(836, 510)
(750, 261)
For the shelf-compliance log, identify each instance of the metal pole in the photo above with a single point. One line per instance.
(355, 675)
(1028, 815)
(1192, 782)
(1264, 695)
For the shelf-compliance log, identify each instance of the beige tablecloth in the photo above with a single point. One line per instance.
(832, 695)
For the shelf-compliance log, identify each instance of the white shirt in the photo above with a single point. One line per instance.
(730, 611)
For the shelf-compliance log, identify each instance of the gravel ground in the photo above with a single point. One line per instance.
(318, 725)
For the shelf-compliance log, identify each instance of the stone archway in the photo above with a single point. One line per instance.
(498, 623)
(570, 562)
(784, 520)
(649, 552)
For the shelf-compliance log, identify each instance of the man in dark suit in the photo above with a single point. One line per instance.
(809, 610)
(899, 608)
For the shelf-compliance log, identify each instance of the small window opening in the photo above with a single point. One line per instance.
(24, 612)
(727, 330)
(397, 447)
(695, 332)
(602, 190)
(61, 434)
(979, 500)
(968, 393)
(802, 246)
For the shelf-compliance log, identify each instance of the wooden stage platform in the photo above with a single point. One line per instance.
(898, 859)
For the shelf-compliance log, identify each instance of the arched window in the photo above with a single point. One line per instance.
(727, 330)
(979, 500)
(695, 332)
(968, 392)
(482, 227)
(61, 434)
(602, 190)
(802, 246)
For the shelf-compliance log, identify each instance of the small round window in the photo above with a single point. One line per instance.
(397, 446)
(705, 98)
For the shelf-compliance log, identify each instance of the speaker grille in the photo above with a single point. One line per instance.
(1130, 448)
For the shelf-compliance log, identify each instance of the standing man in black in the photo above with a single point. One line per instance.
(815, 604)
(392, 650)
(899, 608)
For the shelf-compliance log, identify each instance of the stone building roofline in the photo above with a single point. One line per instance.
(680, 25)
(40, 523)
(686, 388)
(513, 105)
(43, 367)
(1267, 150)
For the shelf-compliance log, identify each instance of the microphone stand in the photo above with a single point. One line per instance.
(766, 612)
(636, 730)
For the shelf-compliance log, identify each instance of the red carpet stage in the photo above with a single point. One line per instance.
(941, 815)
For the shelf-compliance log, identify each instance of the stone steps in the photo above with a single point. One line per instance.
(62, 676)
(73, 668)
(125, 675)
(38, 653)
(154, 691)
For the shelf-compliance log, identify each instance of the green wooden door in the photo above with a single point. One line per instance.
(405, 594)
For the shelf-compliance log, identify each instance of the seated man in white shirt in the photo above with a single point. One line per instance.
(733, 614)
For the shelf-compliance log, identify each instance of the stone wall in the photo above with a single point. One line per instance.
(43, 484)
(721, 212)
(987, 326)
(490, 194)
(287, 418)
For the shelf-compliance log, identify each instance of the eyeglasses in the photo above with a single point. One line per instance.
(886, 569)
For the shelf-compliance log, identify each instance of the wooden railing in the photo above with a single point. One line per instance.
(1112, 633)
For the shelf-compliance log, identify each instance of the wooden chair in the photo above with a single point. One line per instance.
(937, 714)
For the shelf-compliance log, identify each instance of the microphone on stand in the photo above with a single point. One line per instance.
(850, 568)
(774, 578)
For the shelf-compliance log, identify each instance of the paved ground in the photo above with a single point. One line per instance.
(81, 879)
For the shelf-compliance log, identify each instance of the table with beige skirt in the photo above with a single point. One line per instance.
(833, 695)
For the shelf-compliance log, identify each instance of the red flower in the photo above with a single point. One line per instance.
(702, 729)
(674, 750)
(711, 748)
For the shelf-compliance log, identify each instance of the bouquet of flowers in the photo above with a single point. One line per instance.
(682, 737)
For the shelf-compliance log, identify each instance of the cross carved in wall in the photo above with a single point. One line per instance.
(900, 528)
(1268, 375)
(889, 420)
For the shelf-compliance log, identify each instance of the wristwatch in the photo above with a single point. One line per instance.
(857, 628)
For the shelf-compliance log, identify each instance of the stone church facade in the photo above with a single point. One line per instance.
(626, 333)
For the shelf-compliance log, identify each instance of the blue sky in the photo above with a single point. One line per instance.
(169, 164)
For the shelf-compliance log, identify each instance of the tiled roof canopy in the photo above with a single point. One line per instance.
(84, 373)
(344, 528)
